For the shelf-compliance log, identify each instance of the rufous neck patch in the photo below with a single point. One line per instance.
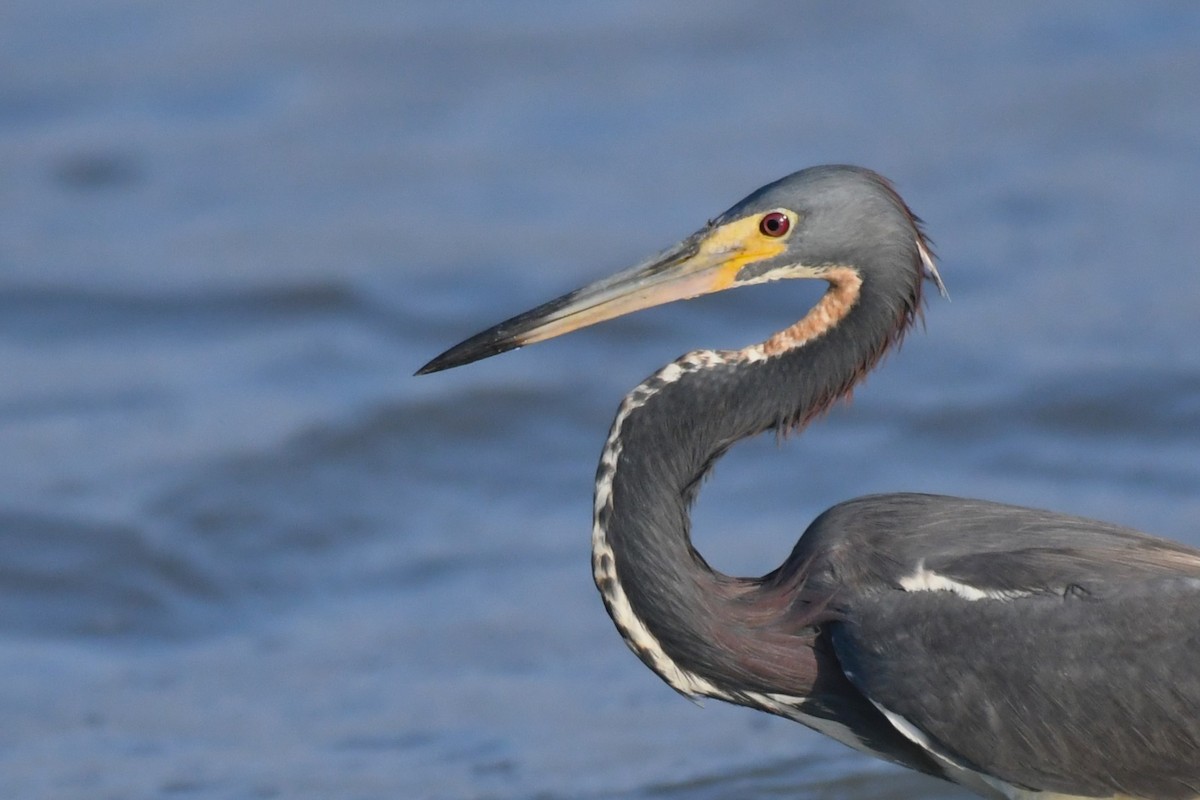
(845, 285)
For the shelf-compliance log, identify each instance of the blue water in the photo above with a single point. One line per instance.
(243, 554)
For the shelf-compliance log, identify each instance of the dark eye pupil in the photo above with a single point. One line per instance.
(775, 224)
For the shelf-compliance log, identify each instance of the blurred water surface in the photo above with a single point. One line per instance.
(243, 554)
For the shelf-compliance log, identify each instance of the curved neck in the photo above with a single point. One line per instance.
(695, 627)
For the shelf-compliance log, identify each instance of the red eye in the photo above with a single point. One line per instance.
(775, 224)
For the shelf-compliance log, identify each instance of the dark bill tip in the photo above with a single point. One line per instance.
(508, 335)
(474, 349)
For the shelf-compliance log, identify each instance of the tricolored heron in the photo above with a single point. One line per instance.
(1017, 652)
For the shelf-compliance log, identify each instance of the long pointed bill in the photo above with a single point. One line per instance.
(707, 261)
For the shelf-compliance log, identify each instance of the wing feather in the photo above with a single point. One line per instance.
(1090, 694)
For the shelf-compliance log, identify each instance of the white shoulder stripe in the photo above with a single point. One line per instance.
(926, 580)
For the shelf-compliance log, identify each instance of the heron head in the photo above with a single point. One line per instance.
(811, 224)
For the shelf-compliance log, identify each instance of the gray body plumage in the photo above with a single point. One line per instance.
(1020, 653)
(1077, 672)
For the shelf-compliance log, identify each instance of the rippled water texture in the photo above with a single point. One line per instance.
(244, 554)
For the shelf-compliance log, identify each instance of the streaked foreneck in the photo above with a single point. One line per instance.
(697, 628)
